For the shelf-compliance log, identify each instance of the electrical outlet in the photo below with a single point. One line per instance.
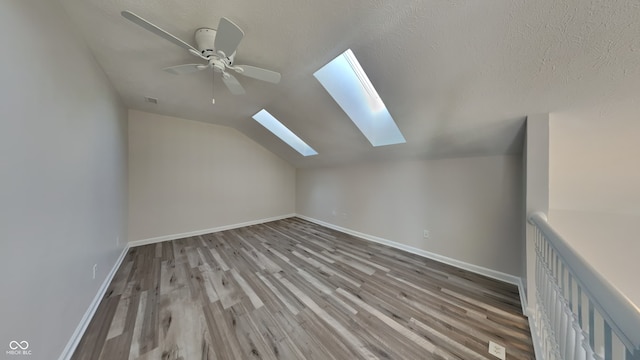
(95, 269)
(427, 234)
(497, 350)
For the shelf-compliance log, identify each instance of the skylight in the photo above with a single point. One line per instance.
(348, 84)
(278, 129)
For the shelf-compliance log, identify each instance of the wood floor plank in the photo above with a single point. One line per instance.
(331, 342)
(117, 324)
(352, 340)
(136, 345)
(117, 347)
(307, 339)
(292, 289)
(222, 335)
(91, 346)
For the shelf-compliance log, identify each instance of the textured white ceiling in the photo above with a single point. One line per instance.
(459, 77)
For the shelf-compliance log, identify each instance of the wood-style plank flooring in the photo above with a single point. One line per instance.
(291, 289)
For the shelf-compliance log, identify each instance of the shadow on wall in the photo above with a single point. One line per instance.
(503, 137)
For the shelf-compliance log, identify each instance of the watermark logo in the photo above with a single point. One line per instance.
(14, 345)
(18, 348)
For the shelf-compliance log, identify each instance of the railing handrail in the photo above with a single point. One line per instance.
(618, 310)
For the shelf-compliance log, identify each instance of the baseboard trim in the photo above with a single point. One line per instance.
(86, 319)
(427, 254)
(523, 296)
(158, 239)
(88, 315)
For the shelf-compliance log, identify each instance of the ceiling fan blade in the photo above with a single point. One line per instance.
(259, 73)
(228, 36)
(156, 30)
(233, 84)
(185, 69)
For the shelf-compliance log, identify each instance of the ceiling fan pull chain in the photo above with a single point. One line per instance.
(213, 78)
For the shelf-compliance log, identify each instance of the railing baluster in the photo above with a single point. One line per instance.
(608, 343)
(572, 338)
(578, 351)
(570, 320)
(592, 327)
(563, 335)
(617, 347)
(571, 299)
(599, 334)
(580, 312)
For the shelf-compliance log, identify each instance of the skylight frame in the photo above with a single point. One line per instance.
(277, 128)
(348, 84)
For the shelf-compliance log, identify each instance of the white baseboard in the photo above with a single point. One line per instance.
(88, 315)
(86, 319)
(427, 254)
(511, 279)
(205, 231)
(523, 296)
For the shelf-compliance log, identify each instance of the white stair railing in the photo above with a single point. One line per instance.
(578, 314)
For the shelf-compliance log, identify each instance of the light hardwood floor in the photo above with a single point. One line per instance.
(291, 289)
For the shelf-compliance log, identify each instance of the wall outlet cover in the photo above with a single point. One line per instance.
(497, 350)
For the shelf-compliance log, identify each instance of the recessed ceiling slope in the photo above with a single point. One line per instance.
(458, 77)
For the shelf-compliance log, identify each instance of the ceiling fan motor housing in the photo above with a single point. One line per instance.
(205, 40)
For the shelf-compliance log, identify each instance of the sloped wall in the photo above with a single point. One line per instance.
(187, 176)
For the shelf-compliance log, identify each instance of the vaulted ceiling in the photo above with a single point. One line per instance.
(459, 77)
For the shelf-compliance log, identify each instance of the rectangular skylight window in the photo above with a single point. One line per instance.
(348, 84)
(278, 129)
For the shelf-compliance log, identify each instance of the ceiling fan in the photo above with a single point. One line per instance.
(217, 47)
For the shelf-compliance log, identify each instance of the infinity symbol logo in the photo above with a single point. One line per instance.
(23, 345)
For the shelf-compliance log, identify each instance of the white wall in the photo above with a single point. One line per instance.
(187, 176)
(63, 185)
(608, 242)
(594, 179)
(537, 163)
(595, 158)
(536, 159)
(471, 206)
